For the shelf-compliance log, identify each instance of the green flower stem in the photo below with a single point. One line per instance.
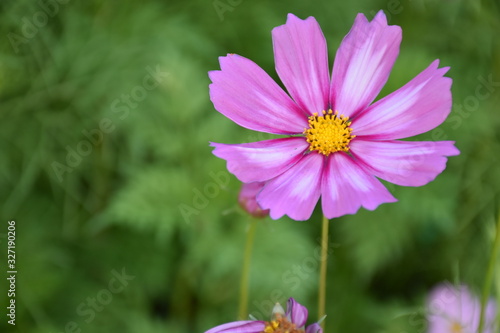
(245, 272)
(322, 272)
(489, 277)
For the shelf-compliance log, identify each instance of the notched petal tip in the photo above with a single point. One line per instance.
(434, 64)
(380, 17)
(452, 149)
(434, 67)
(360, 18)
(301, 59)
(291, 17)
(405, 163)
(419, 106)
(363, 63)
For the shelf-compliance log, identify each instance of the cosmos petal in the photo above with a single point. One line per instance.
(246, 94)
(296, 191)
(296, 312)
(490, 316)
(346, 187)
(314, 328)
(406, 163)
(249, 326)
(263, 160)
(301, 58)
(417, 107)
(363, 63)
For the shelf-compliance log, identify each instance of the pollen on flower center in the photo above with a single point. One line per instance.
(328, 133)
(281, 325)
(456, 328)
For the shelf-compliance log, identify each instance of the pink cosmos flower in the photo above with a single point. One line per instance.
(338, 141)
(247, 199)
(293, 321)
(456, 310)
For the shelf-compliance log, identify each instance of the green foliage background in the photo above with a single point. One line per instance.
(120, 206)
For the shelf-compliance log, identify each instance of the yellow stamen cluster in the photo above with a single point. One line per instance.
(328, 133)
(456, 328)
(281, 325)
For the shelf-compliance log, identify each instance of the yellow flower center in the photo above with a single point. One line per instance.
(456, 328)
(281, 325)
(329, 133)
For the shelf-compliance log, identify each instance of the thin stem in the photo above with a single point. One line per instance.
(489, 277)
(243, 306)
(322, 272)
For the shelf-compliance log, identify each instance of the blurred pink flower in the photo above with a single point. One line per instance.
(338, 142)
(247, 199)
(455, 310)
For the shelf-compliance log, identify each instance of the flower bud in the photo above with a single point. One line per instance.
(247, 199)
